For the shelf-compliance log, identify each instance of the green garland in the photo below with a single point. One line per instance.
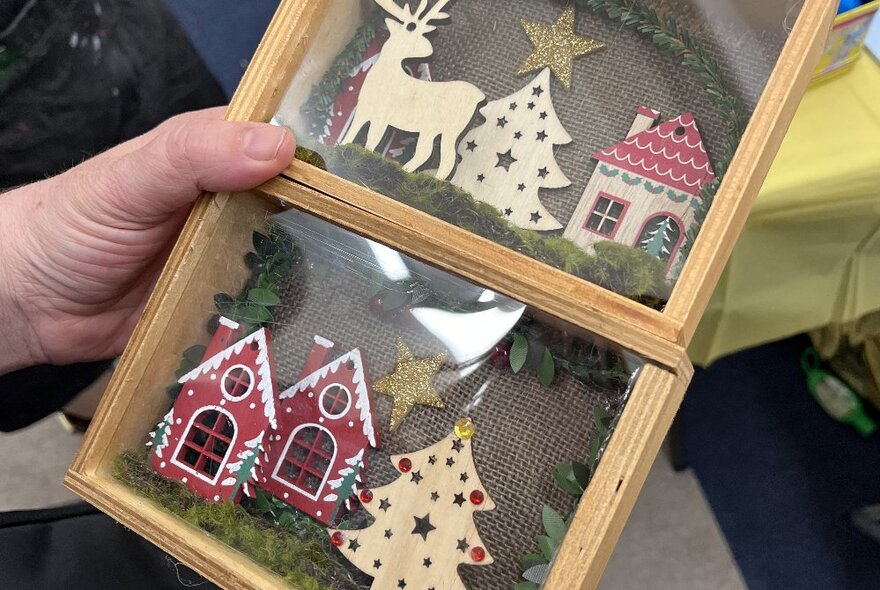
(665, 33)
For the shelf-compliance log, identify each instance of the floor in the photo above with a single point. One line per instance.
(671, 541)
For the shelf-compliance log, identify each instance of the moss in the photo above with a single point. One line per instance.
(628, 271)
(299, 551)
(310, 157)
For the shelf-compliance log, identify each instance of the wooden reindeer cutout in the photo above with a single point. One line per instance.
(390, 97)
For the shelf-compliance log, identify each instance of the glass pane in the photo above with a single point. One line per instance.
(533, 108)
(462, 400)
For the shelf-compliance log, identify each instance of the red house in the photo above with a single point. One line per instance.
(229, 430)
(325, 425)
(221, 416)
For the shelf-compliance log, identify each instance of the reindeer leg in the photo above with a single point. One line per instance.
(374, 135)
(357, 123)
(424, 149)
(448, 155)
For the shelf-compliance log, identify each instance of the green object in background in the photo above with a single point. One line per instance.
(837, 399)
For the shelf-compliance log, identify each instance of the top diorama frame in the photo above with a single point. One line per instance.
(661, 336)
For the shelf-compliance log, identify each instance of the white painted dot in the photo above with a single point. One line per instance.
(252, 406)
(338, 113)
(178, 421)
(350, 423)
(318, 513)
(185, 479)
(264, 480)
(350, 88)
(321, 419)
(216, 498)
(162, 464)
(289, 410)
(286, 495)
(213, 376)
(190, 392)
(311, 394)
(222, 402)
(277, 437)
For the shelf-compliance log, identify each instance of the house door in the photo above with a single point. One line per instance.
(661, 236)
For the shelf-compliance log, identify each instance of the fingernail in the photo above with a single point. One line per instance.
(262, 143)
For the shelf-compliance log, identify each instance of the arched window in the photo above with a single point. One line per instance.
(307, 460)
(207, 443)
(238, 381)
(335, 401)
(661, 236)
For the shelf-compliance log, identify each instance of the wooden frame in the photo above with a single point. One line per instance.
(126, 413)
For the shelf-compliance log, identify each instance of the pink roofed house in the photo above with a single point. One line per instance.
(645, 188)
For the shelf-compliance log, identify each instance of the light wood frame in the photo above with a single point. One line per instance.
(126, 412)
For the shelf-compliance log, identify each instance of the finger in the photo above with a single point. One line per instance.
(177, 161)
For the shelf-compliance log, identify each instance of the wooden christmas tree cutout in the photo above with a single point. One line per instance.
(389, 98)
(424, 520)
(509, 158)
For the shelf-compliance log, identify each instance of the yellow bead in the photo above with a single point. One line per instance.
(464, 428)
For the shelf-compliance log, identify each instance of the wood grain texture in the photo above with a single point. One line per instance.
(497, 267)
(750, 165)
(608, 501)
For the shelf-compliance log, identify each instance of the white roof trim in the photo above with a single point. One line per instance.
(362, 401)
(264, 370)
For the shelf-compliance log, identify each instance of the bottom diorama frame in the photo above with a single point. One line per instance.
(126, 413)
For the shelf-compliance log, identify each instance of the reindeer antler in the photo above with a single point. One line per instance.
(434, 13)
(391, 7)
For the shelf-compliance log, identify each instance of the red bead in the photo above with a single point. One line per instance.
(366, 496)
(478, 554)
(500, 355)
(477, 497)
(337, 538)
(405, 465)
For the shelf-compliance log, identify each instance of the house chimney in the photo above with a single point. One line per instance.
(645, 119)
(226, 334)
(317, 358)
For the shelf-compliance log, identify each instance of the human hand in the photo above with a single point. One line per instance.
(81, 251)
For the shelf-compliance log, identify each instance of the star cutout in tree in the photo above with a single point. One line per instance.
(505, 160)
(517, 135)
(377, 564)
(401, 583)
(384, 504)
(481, 177)
(457, 445)
(450, 461)
(537, 91)
(459, 499)
(416, 477)
(432, 459)
(353, 544)
(427, 562)
(521, 187)
(410, 383)
(435, 496)
(508, 212)
(423, 526)
(556, 46)
(471, 145)
(463, 477)
(530, 106)
(541, 135)
(388, 533)
(502, 121)
(513, 106)
(462, 545)
(536, 217)
(543, 115)
(543, 172)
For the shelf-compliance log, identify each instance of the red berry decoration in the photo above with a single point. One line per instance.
(477, 497)
(366, 496)
(478, 554)
(405, 465)
(337, 538)
(500, 355)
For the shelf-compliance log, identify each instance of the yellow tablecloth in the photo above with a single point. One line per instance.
(810, 252)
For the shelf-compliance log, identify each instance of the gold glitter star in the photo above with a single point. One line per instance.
(556, 46)
(410, 383)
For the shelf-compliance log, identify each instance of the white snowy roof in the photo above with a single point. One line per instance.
(264, 369)
(362, 401)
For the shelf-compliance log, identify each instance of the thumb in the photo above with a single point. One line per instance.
(164, 170)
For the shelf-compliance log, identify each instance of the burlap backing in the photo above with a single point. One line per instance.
(523, 428)
(484, 43)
